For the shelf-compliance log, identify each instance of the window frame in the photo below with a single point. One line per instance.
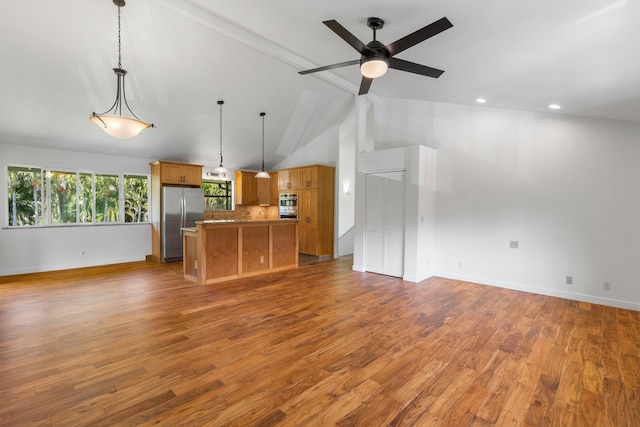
(228, 197)
(46, 214)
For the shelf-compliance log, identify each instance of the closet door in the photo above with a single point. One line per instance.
(385, 210)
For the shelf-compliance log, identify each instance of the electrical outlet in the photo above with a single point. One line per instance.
(569, 280)
(514, 244)
(261, 259)
(606, 286)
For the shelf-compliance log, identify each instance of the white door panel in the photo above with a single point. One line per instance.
(384, 216)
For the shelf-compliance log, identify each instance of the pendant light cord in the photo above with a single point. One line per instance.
(262, 114)
(119, 41)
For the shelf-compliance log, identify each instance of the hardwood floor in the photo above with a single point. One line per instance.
(136, 344)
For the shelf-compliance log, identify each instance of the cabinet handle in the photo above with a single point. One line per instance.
(308, 183)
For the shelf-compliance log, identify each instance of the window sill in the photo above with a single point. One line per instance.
(91, 224)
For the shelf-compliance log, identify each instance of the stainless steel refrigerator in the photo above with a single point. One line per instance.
(181, 207)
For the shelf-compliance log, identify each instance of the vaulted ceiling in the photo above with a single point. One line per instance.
(182, 56)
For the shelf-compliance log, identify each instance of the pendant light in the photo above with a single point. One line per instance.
(262, 173)
(112, 121)
(221, 171)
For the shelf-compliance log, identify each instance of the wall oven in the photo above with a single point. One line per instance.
(288, 205)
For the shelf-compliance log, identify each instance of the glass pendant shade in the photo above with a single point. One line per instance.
(374, 67)
(263, 174)
(119, 126)
(221, 170)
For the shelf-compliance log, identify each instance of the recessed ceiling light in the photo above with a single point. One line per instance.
(481, 100)
(554, 106)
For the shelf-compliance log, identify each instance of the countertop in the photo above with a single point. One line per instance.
(242, 221)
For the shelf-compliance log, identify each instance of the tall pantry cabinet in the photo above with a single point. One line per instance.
(315, 188)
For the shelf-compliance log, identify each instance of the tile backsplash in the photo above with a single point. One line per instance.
(244, 212)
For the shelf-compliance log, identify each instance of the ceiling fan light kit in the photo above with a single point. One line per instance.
(112, 121)
(374, 67)
(376, 57)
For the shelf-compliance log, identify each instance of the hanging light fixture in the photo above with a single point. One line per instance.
(221, 171)
(262, 173)
(112, 121)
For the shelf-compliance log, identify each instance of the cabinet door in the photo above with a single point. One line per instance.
(192, 175)
(309, 177)
(274, 189)
(283, 179)
(308, 206)
(294, 178)
(171, 173)
(308, 239)
(246, 188)
(289, 179)
(263, 191)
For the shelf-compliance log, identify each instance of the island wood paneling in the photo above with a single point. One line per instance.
(284, 243)
(221, 252)
(255, 248)
(136, 344)
(233, 249)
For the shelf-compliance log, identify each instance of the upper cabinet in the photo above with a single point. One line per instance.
(263, 191)
(309, 177)
(246, 188)
(180, 174)
(289, 179)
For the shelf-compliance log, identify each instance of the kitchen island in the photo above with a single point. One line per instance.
(219, 250)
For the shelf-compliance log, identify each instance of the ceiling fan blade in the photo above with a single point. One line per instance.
(330, 67)
(412, 67)
(419, 36)
(365, 84)
(348, 37)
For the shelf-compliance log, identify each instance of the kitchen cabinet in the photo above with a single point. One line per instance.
(246, 188)
(316, 210)
(264, 191)
(308, 216)
(180, 174)
(251, 190)
(309, 177)
(289, 179)
(274, 199)
(167, 174)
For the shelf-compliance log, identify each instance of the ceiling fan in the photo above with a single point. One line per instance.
(376, 58)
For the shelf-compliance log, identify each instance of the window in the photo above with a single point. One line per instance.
(136, 196)
(107, 198)
(40, 197)
(217, 195)
(63, 196)
(25, 196)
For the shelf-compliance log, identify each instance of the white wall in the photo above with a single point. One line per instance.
(33, 249)
(345, 185)
(566, 189)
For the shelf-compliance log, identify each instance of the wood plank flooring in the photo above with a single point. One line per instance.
(135, 344)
